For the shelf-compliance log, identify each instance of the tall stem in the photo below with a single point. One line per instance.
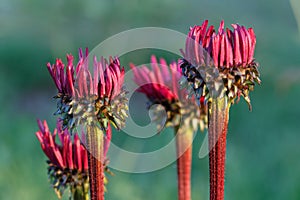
(184, 137)
(95, 160)
(217, 130)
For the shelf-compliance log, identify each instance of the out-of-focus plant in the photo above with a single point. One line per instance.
(161, 86)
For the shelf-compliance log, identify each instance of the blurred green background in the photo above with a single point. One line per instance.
(263, 156)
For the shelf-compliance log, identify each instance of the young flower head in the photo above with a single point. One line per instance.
(84, 96)
(67, 159)
(224, 54)
(220, 67)
(161, 86)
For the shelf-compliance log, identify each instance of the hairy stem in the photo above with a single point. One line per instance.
(217, 130)
(95, 160)
(184, 138)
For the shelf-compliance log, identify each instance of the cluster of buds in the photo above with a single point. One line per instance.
(161, 86)
(216, 64)
(220, 63)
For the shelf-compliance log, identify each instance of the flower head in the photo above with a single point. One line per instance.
(85, 96)
(161, 86)
(67, 160)
(67, 157)
(227, 55)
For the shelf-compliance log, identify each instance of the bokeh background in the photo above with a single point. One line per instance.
(263, 156)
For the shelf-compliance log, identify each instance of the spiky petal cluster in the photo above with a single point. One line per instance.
(67, 160)
(230, 52)
(84, 95)
(228, 48)
(62, 76)
(161, 86)
(160, 83)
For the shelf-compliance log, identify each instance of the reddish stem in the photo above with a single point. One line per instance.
(184, 162)
(96, 169)
(218, 123)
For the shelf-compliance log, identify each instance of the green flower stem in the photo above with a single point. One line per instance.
(184, 139)
(95, 143)
(217, 130)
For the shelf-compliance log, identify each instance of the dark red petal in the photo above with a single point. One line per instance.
(70, 81)
(70, 155)
(207, 39)
(203, 30)
(80, 54)
(65, 146)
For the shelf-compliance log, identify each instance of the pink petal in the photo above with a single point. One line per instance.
(80, 54)
(203, 31)
(108, 81)
(70, 155)
(90, 81)
(221, 28)
(156, 70)
(107, 140)
(175, 83)
(96, 76)
(222, 51)
(206, 40)
(61, 75)
(215, 48)
(164, 69)
(198, 49)
(237, 53)
(253, 42)
(70, 80)
(65, 146)
(102, 66)
(57, 155)
(188, 45)
(229, 53)
(244, 32)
